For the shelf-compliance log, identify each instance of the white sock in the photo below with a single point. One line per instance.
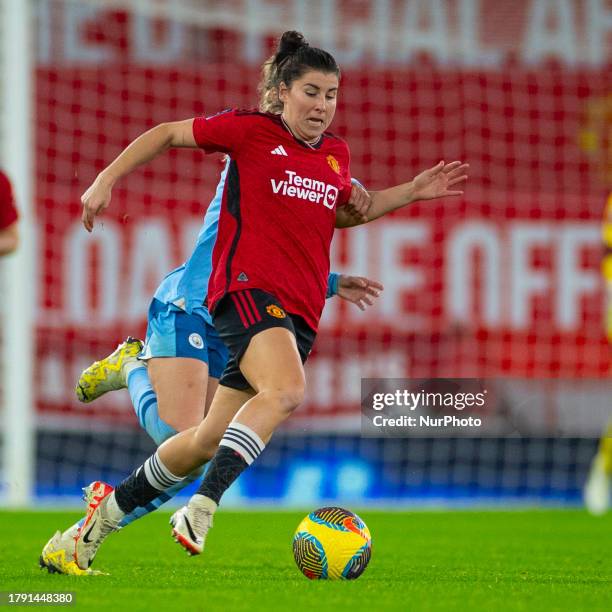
(158, 475)
(242, 439)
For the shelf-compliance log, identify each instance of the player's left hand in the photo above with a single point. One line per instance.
(358, 290)
(437, 182)
(359, 203)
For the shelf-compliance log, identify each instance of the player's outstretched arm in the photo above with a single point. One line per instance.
(436, 182)
(358, 290)
(140, 151)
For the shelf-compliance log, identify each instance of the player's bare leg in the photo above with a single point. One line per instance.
(273, 367)
(189, 449)
(181, 385)
(190, 520)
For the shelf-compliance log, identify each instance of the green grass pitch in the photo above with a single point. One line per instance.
(531, 560)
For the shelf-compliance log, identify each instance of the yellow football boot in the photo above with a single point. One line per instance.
(57, 556)
(110, 373)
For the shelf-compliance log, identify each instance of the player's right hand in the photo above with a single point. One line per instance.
(358, 290)
(359, 203)
(95, 200)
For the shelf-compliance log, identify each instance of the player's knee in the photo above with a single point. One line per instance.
(286, 397)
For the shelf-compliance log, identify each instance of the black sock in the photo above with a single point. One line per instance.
(143, 486)
(239, 447)
(224, 468)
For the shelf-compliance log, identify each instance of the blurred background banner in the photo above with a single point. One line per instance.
(504, 282)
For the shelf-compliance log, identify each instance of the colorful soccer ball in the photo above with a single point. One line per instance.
(332, 544)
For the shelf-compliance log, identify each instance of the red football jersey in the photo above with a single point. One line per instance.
(278, 209)
(8, 212)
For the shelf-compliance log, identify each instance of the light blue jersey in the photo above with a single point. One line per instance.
(187, 285)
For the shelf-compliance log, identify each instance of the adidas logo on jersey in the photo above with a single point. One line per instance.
(280, 150)
(242, 277)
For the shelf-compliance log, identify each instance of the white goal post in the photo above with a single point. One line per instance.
(18, 270)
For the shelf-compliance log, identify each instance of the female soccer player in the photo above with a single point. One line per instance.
(172, 379)
(267, 288)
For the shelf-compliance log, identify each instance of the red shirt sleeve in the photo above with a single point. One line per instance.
(221, 133)
(8, 212)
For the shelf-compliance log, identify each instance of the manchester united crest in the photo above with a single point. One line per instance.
(276, 311)
(333, 164)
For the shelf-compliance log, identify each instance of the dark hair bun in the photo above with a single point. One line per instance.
(290, 42)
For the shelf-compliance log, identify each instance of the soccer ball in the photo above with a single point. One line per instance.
(332, 544)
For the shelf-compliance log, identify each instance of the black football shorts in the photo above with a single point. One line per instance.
(240, 315)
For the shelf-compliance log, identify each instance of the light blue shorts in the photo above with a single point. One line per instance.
(172, 332)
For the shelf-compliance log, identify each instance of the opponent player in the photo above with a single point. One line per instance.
(276, 223)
